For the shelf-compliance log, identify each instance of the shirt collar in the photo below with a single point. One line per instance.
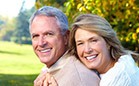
(58, 65)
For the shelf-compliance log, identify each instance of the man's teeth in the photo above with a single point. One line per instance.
(45, 50)
(90, 57)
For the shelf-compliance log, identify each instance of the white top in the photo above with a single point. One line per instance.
(124, 73)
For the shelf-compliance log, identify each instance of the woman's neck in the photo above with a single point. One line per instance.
(107, 67)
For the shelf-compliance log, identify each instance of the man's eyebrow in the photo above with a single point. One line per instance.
(33, 34)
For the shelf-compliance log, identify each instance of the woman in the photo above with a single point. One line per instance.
(95, 43)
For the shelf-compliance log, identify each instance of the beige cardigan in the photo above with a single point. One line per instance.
(73, 73)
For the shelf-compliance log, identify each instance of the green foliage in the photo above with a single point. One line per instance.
(16, 29)
(56, 3)
(21, 34)
(19, 66)
(17, 80)
(123, 15)
(6, 28)
(1, 22)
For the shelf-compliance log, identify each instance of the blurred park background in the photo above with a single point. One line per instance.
(18, 64)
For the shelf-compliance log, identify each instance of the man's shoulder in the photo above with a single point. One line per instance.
(75, 66)
(75, 63)
(76, 74)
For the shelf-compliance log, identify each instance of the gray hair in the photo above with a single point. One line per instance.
(53, 12)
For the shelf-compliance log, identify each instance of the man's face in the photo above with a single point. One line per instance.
(47, 40)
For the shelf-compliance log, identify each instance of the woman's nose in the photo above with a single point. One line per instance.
(88, 48)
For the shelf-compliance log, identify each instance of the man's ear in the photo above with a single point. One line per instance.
(66, 37)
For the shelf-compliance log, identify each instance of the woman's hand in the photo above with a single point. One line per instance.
(45, 79)
(40, 79)
(50, 81)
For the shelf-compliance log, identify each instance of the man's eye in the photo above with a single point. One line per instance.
(50, 34)
(34, 36)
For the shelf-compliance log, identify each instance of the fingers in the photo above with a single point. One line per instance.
(47, 79)
(40, 79)
(53, 81)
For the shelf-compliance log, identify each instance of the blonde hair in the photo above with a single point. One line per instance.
(101, 26)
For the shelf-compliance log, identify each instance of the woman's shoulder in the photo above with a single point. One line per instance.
(123, 72)
(128, 64)
(116, 76)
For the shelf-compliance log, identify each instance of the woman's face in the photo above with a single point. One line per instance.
(93, 50)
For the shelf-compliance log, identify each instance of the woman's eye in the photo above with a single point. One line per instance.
(94, 40)
(79, 44)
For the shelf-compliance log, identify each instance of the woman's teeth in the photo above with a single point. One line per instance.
(90, 57)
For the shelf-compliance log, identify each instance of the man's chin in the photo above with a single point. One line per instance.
(44, 60)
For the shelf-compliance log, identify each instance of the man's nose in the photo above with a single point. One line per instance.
(42, 41)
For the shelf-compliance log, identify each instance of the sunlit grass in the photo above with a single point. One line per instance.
(18, 61)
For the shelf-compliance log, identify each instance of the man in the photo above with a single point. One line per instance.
(49, 33)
